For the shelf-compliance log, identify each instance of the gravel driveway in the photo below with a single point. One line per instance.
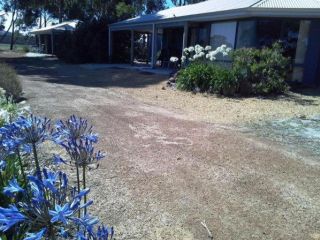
(165, 174)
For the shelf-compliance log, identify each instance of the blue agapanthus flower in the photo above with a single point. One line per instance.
(103, 233)
(75, 128)
(61, 213)
(9, 217)
(36, 236)
(54, 206)
(3, 165)
(33, 129)
(12, 188)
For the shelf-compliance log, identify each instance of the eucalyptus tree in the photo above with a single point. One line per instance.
(185, 2)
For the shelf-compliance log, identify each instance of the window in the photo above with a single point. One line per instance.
(199, 34)
(246, 34)
(223, 33)
(268, 31)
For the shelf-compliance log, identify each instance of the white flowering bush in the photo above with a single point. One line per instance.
(206, 54)
(9, 110)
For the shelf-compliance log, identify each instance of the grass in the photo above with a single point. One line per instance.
(16, 47)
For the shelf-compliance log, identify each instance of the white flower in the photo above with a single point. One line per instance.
(191, 49)
(174, 59)
(183, 59)
(201, 54)
(196, 56)
(198, 49)
(208, 48)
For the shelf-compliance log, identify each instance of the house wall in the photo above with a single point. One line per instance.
(300, 38)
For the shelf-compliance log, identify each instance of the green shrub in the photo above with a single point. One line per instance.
(207, 77)
(261, 71)
(223, 81)
(196, 75)
(254, 71)
(10, 82)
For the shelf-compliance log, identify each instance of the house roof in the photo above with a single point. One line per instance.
(224, 9)
(288, 4)
(65, 26)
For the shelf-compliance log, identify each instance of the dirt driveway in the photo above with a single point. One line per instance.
(164, 174)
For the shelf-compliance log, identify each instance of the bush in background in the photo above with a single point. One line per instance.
(206, 77)
(10, 82)
(261, 71)
(196, 76)
(253, 71)
(88, 43)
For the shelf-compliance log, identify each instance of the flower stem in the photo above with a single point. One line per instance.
(35, 155)
(84, 186)
(22, 168)
(78, 182)
(46, 207)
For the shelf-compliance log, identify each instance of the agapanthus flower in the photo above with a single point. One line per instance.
(82, 152)
(88, 223)
(12, 188)
(103, 233)
(33, 130)
(9, 217)
(60, 209)
(60, 213)
(36, 236)
(191, 49)
(174, 59)
(74, 128)
(3, 165)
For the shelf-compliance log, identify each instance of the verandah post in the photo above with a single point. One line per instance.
(154, 46)
(132, 48)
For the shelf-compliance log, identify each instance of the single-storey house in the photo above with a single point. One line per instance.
(46, 36)
(238, 24)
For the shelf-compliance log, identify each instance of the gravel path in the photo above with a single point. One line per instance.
(165, 173)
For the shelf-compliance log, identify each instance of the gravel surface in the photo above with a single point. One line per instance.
(166, 171)
(215, 109)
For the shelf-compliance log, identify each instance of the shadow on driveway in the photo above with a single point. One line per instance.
(50, 69)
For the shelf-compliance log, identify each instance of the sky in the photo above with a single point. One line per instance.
(169, 4)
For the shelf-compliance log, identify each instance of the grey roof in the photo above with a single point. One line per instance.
(220, 7)
(288, 4)
(65, 26)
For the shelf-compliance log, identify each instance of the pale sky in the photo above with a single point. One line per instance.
(9, 15)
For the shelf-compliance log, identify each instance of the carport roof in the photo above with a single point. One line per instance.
(65, 26)
(224, 9)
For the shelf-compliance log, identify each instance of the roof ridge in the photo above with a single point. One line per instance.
(258, 3)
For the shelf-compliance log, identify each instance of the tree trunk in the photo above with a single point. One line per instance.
(60, 10)
(12, 30)
(45, 19)
(40, 19)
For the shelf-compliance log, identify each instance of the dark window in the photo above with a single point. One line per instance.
(268, 31)
(246, 36)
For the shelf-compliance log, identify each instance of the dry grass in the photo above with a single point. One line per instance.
(212, 108)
